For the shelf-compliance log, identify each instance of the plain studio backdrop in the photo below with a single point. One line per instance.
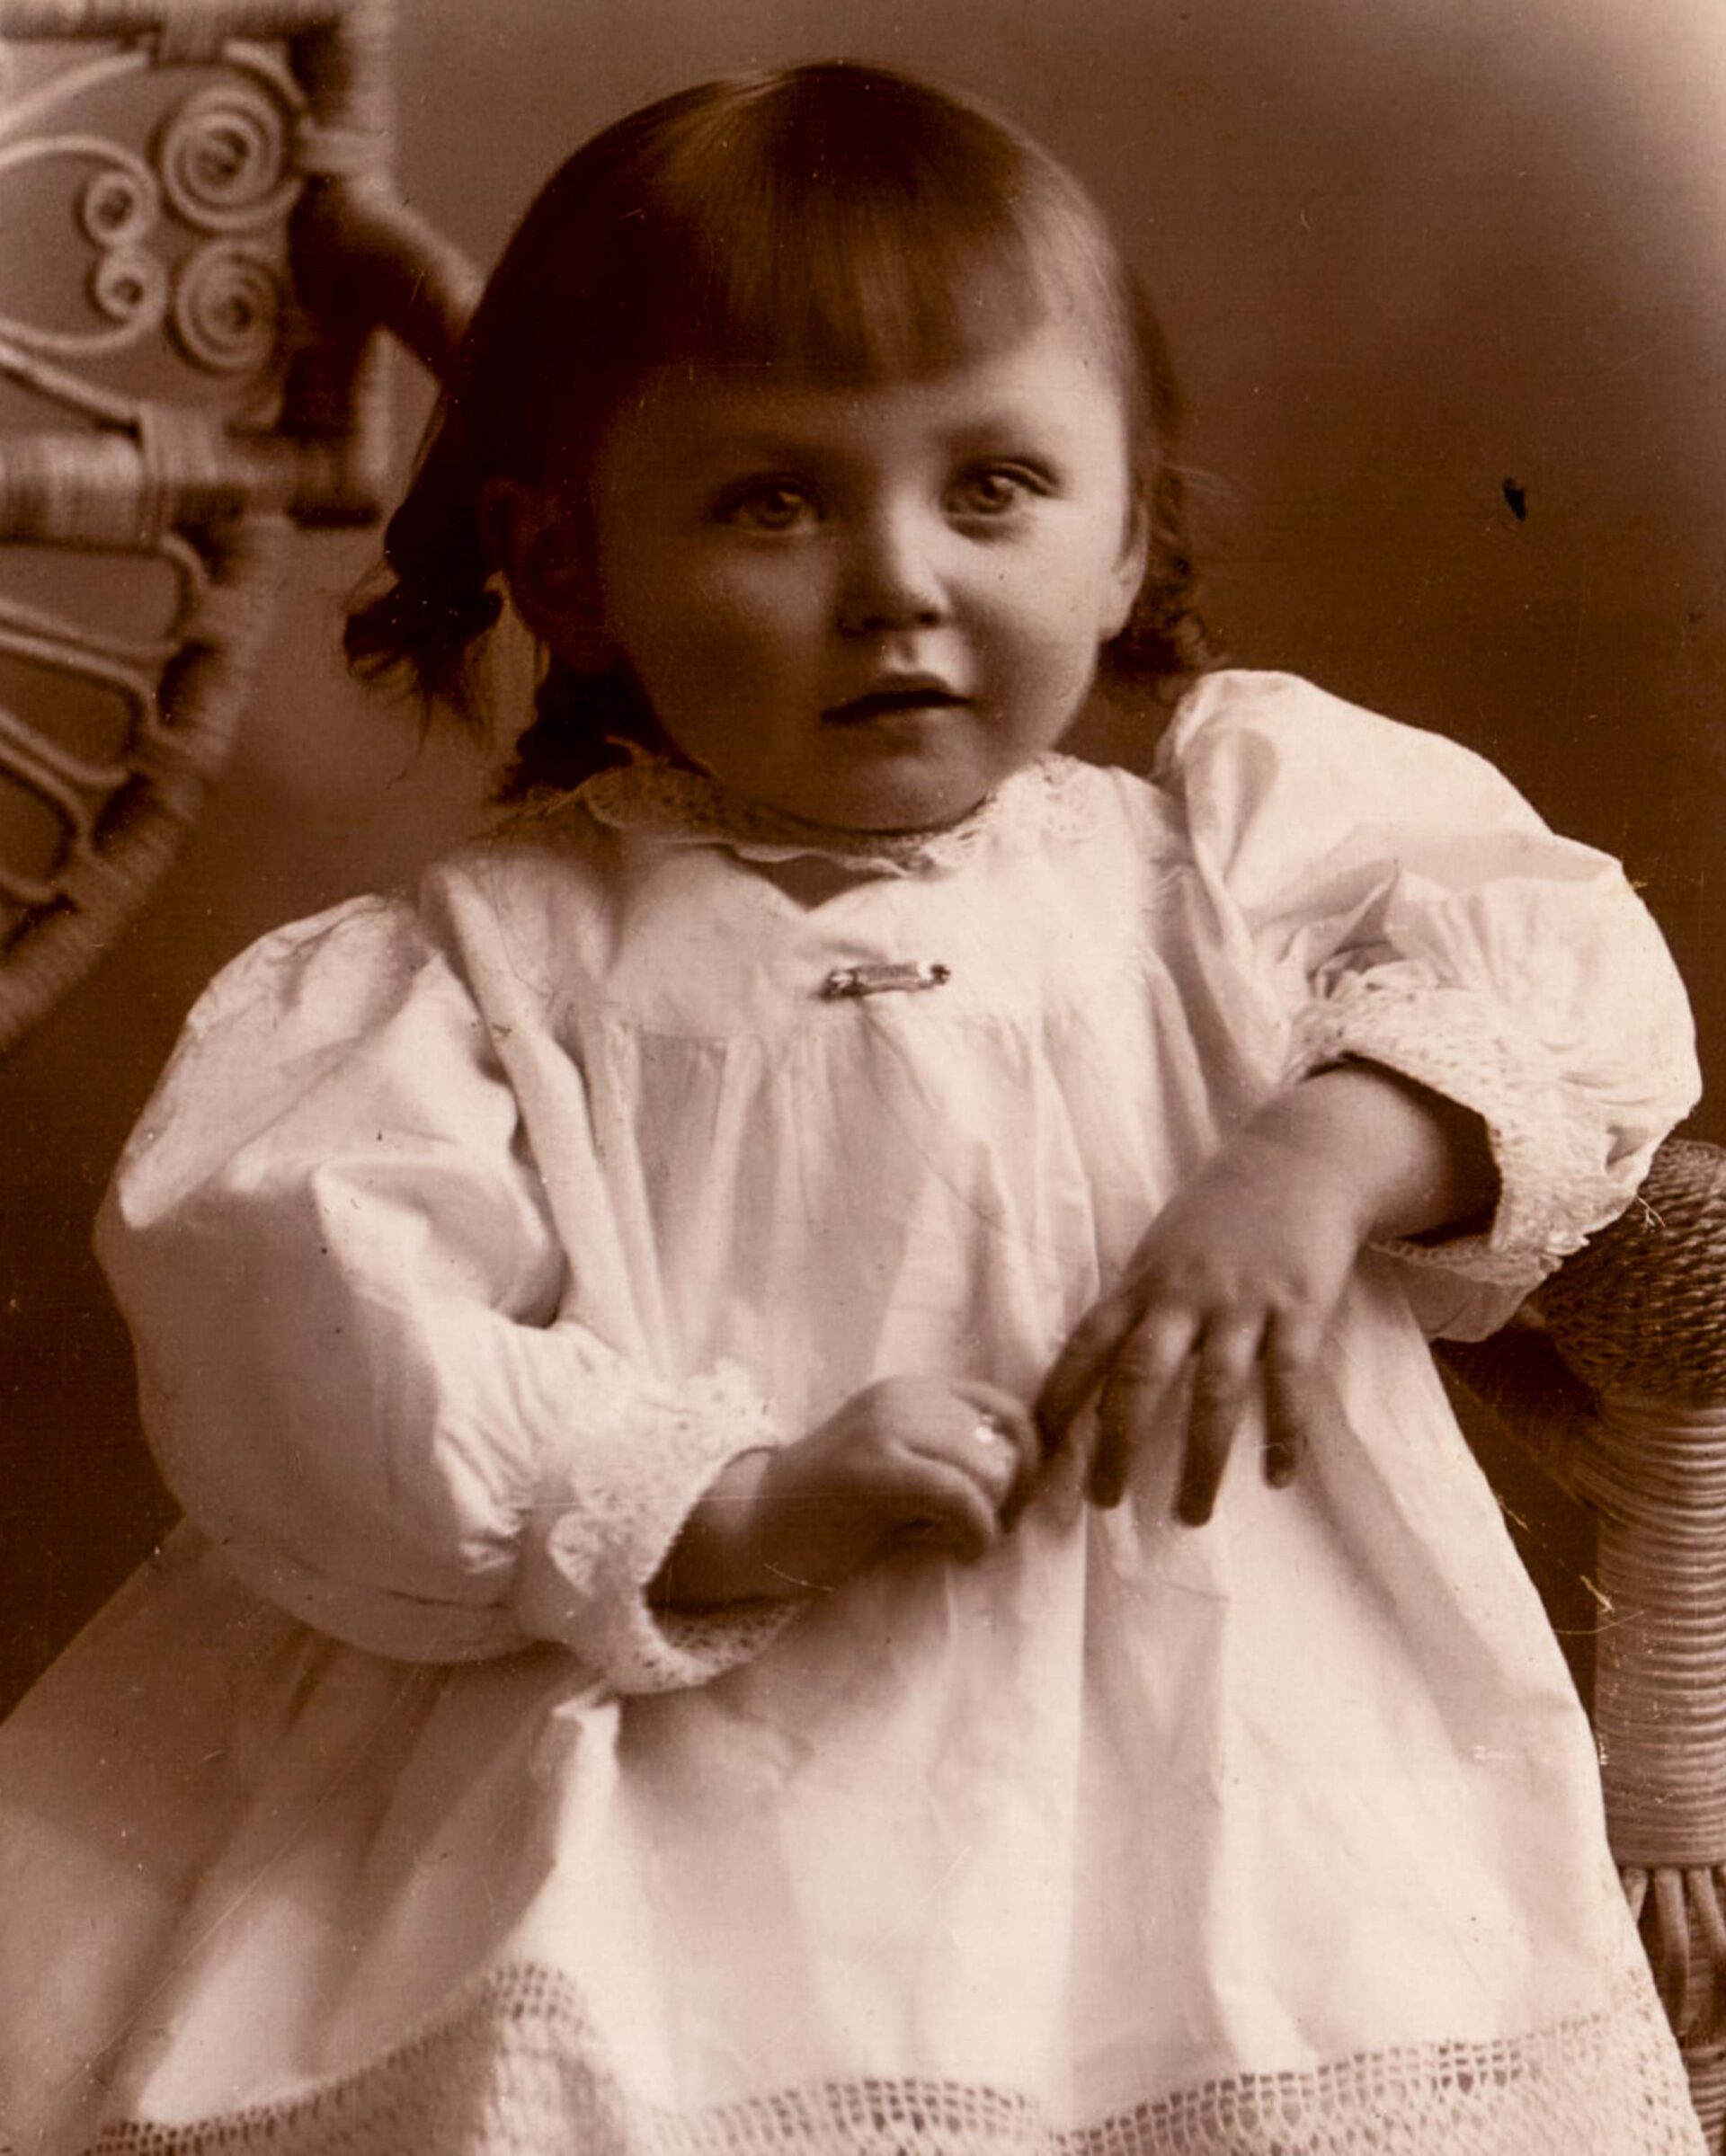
(1446, 283)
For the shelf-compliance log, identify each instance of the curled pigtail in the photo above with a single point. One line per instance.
(436, 600)
(580, 724)
(1166, 642)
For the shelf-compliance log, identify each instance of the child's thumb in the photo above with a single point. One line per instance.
(950, 1513)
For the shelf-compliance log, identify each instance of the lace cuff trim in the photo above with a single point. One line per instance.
(1556, 1187)
(1044, 801)
(589, 1556)
(519, 2070)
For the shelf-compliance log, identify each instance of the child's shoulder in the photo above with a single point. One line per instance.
(341, 969)
(341, 962)
(1242, 742)
(1235, 707)
(532, 849)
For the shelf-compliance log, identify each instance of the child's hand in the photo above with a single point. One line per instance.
(1241, 1274)
(907, 1462)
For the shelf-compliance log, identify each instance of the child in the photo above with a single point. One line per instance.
(631, 1681)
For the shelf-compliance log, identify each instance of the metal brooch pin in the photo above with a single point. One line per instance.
(877, 980)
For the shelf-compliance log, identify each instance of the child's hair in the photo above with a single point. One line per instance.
(833, 220)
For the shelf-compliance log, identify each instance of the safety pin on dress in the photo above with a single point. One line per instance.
(878, 979)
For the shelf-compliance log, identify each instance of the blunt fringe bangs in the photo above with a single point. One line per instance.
(831, 221)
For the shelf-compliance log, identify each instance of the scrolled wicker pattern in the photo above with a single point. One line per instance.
(294, 251)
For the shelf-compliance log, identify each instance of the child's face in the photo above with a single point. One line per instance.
(867, 607)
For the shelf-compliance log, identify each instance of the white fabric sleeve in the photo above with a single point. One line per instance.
(359, 1368)
(1402, 904)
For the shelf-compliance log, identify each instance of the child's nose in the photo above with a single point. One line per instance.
(892, 576)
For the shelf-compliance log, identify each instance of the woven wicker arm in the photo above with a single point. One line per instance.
(1623, 1394)
(232, 211)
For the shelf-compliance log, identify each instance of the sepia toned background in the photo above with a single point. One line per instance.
(1420, 261)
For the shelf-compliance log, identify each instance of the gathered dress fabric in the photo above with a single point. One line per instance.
(471, 1233)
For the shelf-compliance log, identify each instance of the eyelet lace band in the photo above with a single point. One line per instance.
(1555, 1189)
(1045, 801)
(518, 2068)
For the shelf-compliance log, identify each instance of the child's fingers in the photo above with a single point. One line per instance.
(941, 1506)
(1227, 1374)
(1145, 1368)
(1081, 1366)
(1005, 1441)
(1301, 1403)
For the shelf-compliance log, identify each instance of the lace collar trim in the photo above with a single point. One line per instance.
(1032, 807)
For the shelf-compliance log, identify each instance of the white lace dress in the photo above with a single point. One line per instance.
(470, 1233)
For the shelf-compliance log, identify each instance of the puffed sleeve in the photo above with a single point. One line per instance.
(1400, 902)
(359, 1366)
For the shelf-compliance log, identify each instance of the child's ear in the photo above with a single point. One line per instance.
(1128, 572)
(537, 541)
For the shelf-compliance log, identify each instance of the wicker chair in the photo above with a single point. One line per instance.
(1617, 1382)
(277, 167)
(242, 247)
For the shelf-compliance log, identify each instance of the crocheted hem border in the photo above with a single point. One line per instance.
(517, 2070)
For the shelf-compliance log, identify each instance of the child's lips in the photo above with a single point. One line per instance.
(891, 699)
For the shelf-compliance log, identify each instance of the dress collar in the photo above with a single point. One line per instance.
(1044, 801)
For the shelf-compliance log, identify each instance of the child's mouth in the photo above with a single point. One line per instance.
(889, 703)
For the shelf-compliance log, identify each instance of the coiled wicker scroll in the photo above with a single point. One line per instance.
(226, 165)
(1624, 1395)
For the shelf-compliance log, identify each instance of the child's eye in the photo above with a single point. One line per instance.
(994, 489)
(765, 505)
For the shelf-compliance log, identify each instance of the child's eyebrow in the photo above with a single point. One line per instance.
(1005, 422)
(749, 446)
(770, 445)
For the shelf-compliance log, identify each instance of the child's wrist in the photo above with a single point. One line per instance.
(1409, 1161)
(721, 1554)
(1274, 1152)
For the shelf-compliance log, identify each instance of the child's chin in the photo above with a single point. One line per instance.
(911, 802)
(913, 813)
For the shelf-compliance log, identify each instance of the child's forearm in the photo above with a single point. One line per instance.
(717, 1559)
(1419, 1163)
